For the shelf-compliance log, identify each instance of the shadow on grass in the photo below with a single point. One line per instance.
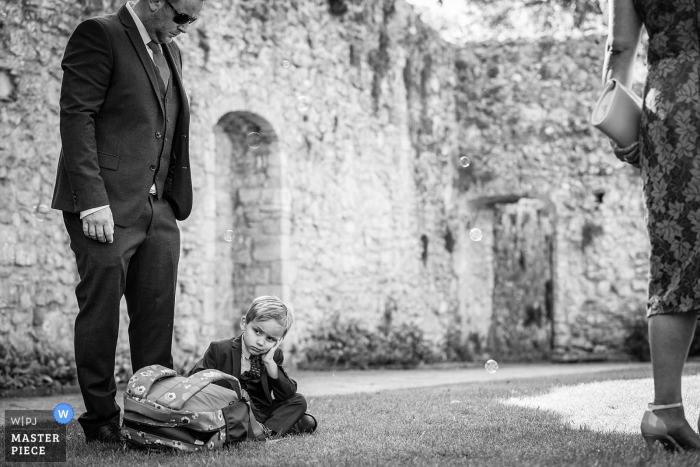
(441, 426)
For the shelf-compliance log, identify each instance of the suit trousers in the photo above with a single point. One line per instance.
(281, 415)
(141, 265)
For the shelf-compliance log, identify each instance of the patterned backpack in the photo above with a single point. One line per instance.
(165, 411)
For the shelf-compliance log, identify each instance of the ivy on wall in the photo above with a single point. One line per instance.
(42, 367)
(351, 344)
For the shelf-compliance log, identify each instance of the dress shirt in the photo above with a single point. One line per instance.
(245, 358)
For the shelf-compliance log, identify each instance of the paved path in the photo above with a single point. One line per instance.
(316, 383)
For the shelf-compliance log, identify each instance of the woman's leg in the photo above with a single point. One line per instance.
(670, 336)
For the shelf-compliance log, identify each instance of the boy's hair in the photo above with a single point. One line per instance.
(270, 307)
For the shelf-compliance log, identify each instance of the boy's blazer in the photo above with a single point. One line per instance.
(225, 355)
(112, 120)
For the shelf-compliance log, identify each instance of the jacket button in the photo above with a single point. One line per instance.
(153, 167)
(158, 134)
(184, 136)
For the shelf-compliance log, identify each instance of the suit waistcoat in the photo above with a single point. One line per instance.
(171, 104)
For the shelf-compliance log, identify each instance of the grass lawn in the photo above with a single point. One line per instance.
(589, 420)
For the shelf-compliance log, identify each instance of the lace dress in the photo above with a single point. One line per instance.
(670, 156)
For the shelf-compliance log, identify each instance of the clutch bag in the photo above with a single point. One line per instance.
(617, 113)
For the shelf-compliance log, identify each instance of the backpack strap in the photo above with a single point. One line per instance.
(254, 427)
(143, 379)
(185, 390)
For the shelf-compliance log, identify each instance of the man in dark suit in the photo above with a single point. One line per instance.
(123, 180)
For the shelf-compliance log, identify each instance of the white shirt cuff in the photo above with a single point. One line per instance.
(90, 211)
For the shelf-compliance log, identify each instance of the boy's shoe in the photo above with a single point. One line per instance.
(108, 434)
(306, 424)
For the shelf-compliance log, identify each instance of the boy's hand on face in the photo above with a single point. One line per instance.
(269, 357)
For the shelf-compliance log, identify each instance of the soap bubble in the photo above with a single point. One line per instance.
(285, 63)
(491, 366)
(464, 161)
(475, 234)
(228, 236)
(254, 139)
(303, 103)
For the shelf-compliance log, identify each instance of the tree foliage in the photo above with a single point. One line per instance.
(582, 10)
(480, 20)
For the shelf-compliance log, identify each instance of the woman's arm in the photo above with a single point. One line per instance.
(624, 32)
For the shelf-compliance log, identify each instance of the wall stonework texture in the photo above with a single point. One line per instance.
(354, 200)
(523, 111)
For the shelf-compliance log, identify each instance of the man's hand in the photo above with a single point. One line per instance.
(269, 357)
(99, 225)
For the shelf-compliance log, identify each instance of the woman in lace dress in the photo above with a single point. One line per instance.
(669, 157)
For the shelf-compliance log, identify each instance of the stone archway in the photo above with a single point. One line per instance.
(247, 197)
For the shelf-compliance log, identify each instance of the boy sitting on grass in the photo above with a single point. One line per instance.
(255, 359)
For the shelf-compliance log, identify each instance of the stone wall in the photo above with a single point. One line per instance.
(353, 203)
(523, 109)
(356, 119)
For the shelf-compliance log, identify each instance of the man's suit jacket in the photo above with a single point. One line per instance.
(225, 355)
(113, 122)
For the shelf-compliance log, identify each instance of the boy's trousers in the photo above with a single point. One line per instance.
(281, 415)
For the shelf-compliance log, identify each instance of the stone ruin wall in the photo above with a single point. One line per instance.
(354, 205)
(523, 109)
(351, 215)
(330, 212)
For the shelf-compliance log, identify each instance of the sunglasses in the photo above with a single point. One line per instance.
(181, 18)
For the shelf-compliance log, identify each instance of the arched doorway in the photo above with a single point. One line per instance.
(507, 279)
(522, 323)
(250, 216)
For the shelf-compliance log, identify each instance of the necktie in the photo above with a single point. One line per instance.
(255, 364)
(161, 64)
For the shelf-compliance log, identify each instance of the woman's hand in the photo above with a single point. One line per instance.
(630, 154)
